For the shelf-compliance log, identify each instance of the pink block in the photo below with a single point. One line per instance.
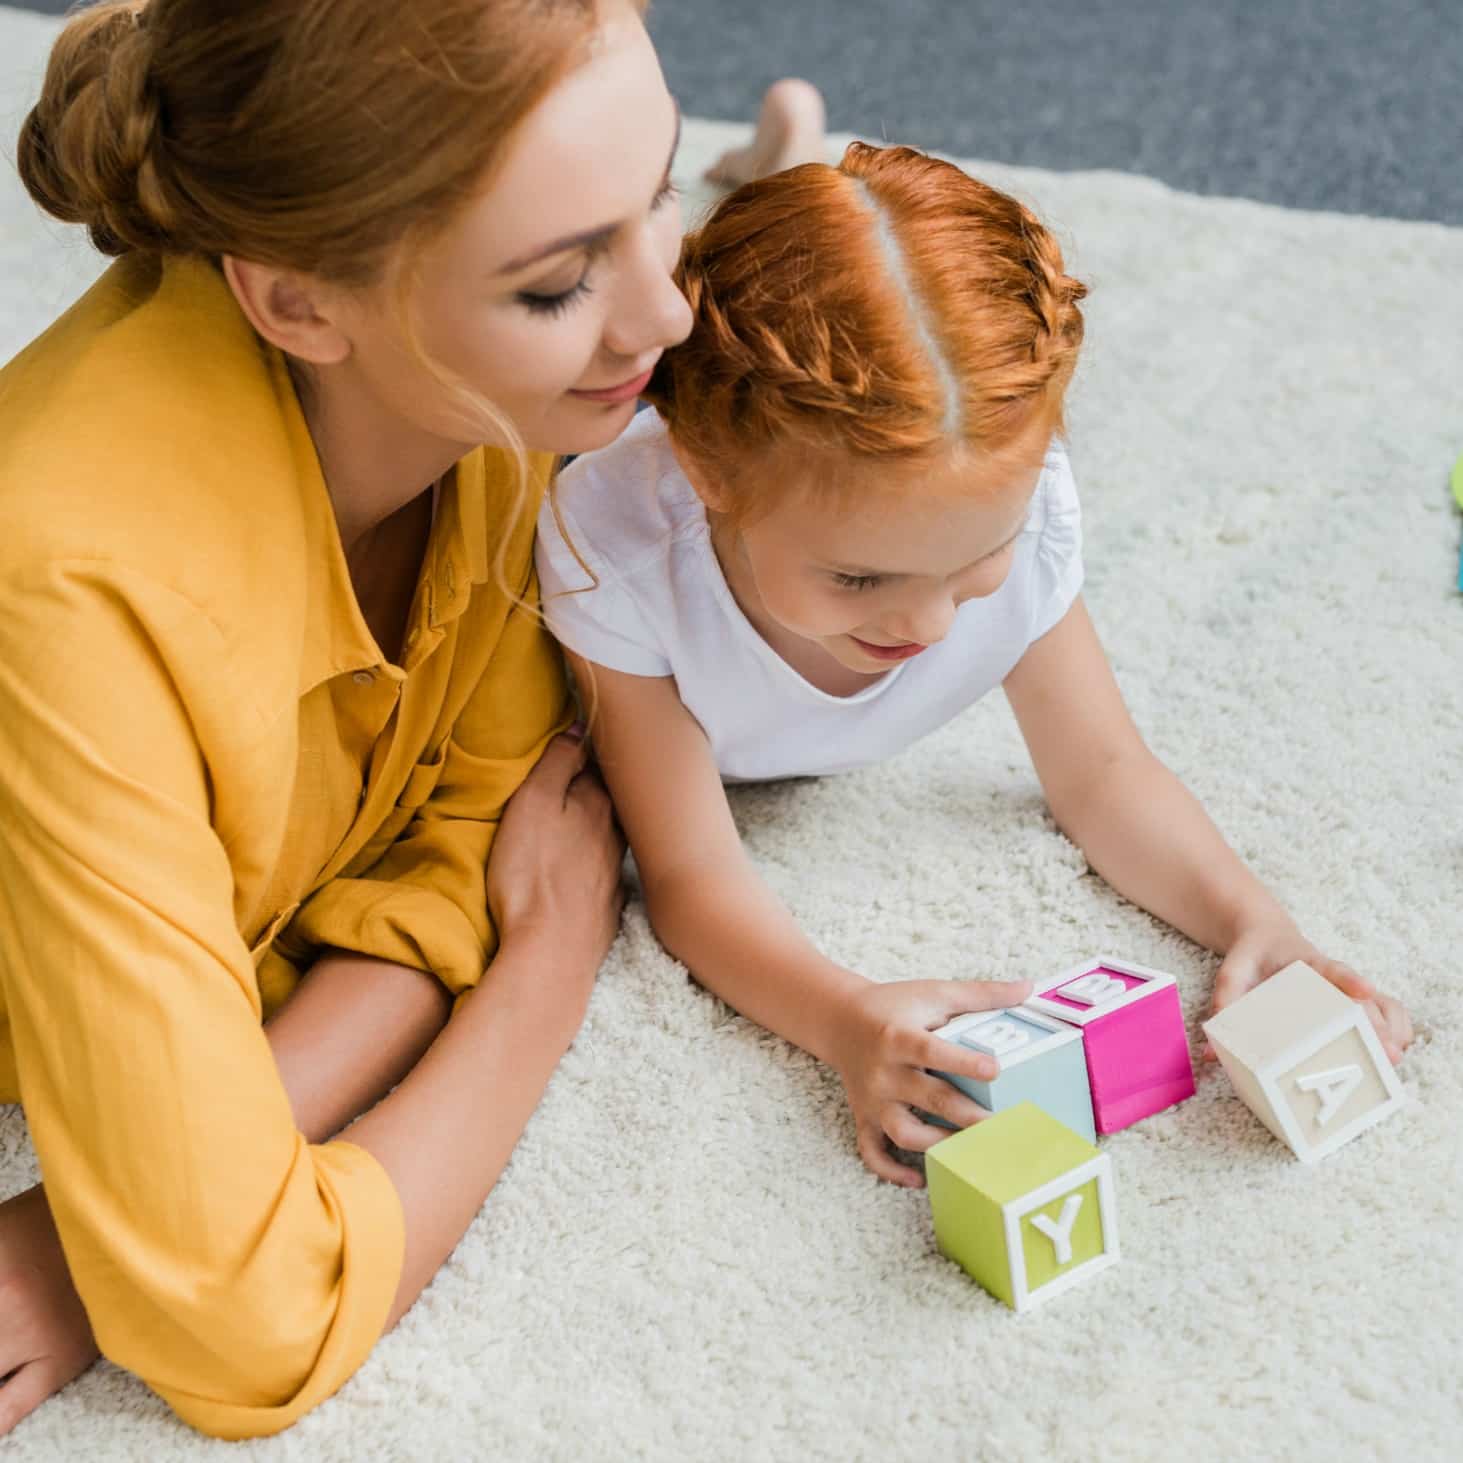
(1138, 1054)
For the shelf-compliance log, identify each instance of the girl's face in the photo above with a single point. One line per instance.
(878, 581)
(551, 294)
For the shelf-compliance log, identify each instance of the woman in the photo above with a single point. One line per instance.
(267, 674)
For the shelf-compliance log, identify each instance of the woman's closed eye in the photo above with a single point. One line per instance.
(856, 581)
(537, 303)
(555, 303)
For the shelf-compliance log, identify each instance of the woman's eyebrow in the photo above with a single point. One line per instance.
(593, 239)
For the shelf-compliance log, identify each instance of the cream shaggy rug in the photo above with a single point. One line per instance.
(686, 1259)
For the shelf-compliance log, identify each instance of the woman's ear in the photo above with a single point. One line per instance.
(293, 311)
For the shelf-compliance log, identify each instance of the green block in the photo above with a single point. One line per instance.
(1023, 1204)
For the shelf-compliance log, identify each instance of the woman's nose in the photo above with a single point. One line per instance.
(650, 313)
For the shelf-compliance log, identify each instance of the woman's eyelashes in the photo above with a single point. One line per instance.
(557, 303)
(856, 581)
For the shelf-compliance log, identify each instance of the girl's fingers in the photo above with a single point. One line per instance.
(936, 1054)
(945, 1101)
(1392, 1024)
(1347, 981)
(877, 1158)
(908, 1132)
(964, 996)
(1237, 973)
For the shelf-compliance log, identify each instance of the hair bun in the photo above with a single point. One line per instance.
(88, 148)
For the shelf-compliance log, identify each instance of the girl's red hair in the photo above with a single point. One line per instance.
(889, 310)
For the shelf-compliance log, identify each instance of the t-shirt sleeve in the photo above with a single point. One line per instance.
(1058, 570)
(588, 599)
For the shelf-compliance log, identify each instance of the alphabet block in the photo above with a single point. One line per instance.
(1132, 1034)
(1023, 1205)
(1041, 1061)
(1306, 1061)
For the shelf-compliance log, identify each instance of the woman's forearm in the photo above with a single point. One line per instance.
(446, 1133)
(354, 1027)
(1150, 838)
(736, 938)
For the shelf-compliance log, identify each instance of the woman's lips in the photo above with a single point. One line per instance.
(626, 391)
(889, 652)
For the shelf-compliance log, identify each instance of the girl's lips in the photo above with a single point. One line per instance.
(627, 391)
(889, 652)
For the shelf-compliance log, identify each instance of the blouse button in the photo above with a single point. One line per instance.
(363, 678)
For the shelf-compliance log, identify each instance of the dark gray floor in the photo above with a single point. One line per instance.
(1343, 104)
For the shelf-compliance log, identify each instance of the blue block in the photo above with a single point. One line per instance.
(1042, 1061)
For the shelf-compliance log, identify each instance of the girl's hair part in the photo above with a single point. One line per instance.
(891, 310)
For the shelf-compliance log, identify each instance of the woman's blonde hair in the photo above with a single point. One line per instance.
(333, 137)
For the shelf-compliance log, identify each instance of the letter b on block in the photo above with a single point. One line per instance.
(1095, 988)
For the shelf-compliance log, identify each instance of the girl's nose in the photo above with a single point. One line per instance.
(927, 621)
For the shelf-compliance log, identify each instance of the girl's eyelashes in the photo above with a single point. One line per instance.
(856, 581)
(668, 190)
(559, 304)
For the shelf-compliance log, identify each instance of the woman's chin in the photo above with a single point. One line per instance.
(585, 426)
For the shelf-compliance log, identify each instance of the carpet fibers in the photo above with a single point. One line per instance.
(686, 1258)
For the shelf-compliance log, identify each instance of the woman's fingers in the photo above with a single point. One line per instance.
(24, 1390)
(563, 760)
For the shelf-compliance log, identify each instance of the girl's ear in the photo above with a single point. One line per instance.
(711, 493)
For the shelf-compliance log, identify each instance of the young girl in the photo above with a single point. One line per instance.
(852, 517)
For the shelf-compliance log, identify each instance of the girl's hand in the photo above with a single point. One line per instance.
(1263, 949)
(554, 871)
(45, 1337)
(884, 1055)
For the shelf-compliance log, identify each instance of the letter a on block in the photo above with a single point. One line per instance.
(1093, 989)
(1059, 1230)
(1334, 1088)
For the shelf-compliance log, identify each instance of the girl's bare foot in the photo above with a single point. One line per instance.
(789, 131)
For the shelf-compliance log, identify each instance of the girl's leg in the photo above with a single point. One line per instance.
(790, 130)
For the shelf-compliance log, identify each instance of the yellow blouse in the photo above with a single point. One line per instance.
(208, 771)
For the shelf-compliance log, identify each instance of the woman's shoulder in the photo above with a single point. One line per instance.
(627, 504)
(148, 429)
(149, 426)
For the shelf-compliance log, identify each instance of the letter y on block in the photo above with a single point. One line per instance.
(1059, 1230)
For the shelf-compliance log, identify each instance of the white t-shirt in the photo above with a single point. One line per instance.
(662, 607)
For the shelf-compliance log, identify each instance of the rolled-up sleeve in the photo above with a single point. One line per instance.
(239, 1271)
(423, 902)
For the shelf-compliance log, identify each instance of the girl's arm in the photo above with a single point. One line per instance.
(712, 911)
(1146, 834)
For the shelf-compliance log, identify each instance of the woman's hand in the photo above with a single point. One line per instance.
(554, 871)
(45, 1337)
(885, 1054)
(1263, 949)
